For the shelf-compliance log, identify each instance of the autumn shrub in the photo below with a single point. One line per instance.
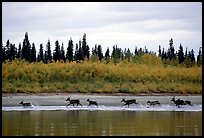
(89, 76)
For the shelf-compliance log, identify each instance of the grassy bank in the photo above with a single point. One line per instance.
(21, 76)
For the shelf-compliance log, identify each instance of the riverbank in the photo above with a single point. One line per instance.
(59, 99)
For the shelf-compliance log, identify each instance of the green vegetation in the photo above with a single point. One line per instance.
(88, 76)
(117, 71)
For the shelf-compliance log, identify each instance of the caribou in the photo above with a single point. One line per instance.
(153, 103)
(25, 104)
(181, 102)
(73, 102)
(188, 102)
(92, 102)
(128, 102)
(178, 102)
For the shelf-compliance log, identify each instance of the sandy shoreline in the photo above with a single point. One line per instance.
(59, 99)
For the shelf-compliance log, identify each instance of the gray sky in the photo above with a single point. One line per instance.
(127, 24)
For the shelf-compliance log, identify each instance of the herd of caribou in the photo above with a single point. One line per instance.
(76, 102)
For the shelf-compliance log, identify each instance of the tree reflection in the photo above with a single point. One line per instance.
(98, 123)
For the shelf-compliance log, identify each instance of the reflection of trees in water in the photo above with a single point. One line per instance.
(77, 122)
(185, 123)
(55, 122)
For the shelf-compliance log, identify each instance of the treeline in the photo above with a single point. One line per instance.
(27, 52)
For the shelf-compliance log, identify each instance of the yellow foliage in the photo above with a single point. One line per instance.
(100, 76)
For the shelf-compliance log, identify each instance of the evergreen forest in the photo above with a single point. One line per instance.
(85, 69)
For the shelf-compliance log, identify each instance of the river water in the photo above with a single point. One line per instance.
(137, 120)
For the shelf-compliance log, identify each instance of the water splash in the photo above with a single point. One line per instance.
(165, 107)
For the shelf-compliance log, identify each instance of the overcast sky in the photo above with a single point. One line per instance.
(127, 24)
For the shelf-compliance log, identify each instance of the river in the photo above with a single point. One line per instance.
(165, 120)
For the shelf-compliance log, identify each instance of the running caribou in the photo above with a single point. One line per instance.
(180, 102)
(92, 102)
(25, 104)
(128, 102)
(153, 103)
(73, 102)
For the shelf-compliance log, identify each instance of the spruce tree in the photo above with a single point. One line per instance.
(114, 54)
(13, 52)
(171, 54)
(119, 51)
(76, 53)
(136, 53)
(160, 51)
(95, 50)
(84, 50)
(56, 54)
(48, 54)
(80, 52)
(87, 52)
(128, 55)
(180, 54)
(199, 57)
(107, 56)
(192, 57)
(69, 54)
(186, 54)
(33, 54)
(62, 53)
(163, 54)
(7, 50)
(100, 53)
(26, 48)
(41, 55)
(19, 51)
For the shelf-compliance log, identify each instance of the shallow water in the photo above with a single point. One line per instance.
(139, 107)
(165, 120)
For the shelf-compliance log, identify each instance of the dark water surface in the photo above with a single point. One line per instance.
(98, 123)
